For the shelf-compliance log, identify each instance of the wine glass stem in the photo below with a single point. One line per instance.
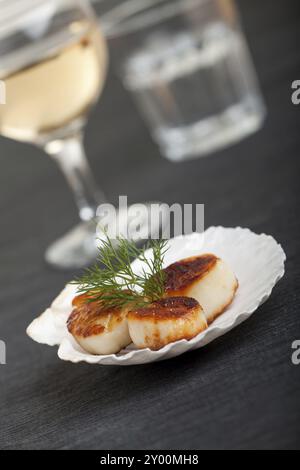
(71, 158)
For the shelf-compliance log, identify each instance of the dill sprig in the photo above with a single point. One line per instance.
(112, 280)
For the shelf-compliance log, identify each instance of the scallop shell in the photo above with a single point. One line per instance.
(257, 260)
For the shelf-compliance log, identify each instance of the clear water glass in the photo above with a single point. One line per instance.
(188, 66)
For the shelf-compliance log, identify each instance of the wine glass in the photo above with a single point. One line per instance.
(53, 64)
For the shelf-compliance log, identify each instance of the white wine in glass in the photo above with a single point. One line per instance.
(53, 62)
(52, 93)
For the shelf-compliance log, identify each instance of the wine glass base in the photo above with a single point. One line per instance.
(79, 247)
(76, 249)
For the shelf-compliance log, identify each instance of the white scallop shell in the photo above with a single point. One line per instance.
(257, 260)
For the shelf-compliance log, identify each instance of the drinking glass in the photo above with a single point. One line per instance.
(188, 66)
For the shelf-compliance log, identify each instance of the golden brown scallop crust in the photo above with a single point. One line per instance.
(90, 319)
(83, 299)
(181, 275)
(170, 308)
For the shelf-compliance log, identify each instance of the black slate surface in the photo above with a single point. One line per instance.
(240, 392)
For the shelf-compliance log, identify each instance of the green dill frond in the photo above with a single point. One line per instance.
(112, 280)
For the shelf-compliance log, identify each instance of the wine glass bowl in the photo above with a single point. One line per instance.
(53, 64)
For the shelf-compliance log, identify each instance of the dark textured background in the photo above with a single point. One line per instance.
(242, 391)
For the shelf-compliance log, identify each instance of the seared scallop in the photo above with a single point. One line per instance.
(207, 279)
(98, 330)
(166, 321)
